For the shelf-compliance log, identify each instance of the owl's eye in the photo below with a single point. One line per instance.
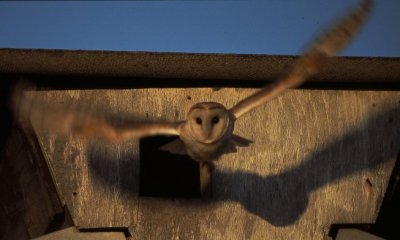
(198, 120)
(215, 120)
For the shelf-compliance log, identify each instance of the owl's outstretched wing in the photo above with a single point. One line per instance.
(330, 43)
(90, 127)
(65, 121)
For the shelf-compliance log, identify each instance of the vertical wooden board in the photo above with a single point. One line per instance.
(27, 206)
(98, 181)
(318, 157)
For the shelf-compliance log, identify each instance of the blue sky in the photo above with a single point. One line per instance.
(250, 27)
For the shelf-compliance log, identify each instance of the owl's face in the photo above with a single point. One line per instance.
(208, 121)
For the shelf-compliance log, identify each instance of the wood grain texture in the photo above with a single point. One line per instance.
(28, 201)
(319, 157)
(182, 66)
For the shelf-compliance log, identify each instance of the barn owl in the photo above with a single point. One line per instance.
(207, 131)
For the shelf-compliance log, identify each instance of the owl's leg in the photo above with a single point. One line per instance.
(206, 171)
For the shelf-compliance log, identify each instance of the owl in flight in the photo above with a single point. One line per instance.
(207, 131)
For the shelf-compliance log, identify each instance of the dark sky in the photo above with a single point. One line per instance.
(260, 27)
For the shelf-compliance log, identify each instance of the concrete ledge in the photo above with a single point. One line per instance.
(355, 234)
(74, 234)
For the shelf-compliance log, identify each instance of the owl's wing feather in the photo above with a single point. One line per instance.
(175, 147)
(241, 141)
(84, 124)
(329, 44)
(100, 128)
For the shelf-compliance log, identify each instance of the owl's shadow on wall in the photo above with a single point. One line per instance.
(281, 199)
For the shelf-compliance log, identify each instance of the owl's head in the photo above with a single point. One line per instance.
(208, 122)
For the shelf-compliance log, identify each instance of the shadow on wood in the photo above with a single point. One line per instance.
(291, 188)
(282, 199)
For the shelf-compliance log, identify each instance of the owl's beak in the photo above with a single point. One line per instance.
(208, 141)
(207, 130)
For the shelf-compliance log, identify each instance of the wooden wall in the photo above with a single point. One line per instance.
(319, 157)
(29, 202)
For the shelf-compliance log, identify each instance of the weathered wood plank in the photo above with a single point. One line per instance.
(193, 66)
(92, 174)
(319, 157)
(28, 202)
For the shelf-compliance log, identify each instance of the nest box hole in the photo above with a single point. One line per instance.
(163, 174)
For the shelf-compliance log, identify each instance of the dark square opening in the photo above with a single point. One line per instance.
(163, 174)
